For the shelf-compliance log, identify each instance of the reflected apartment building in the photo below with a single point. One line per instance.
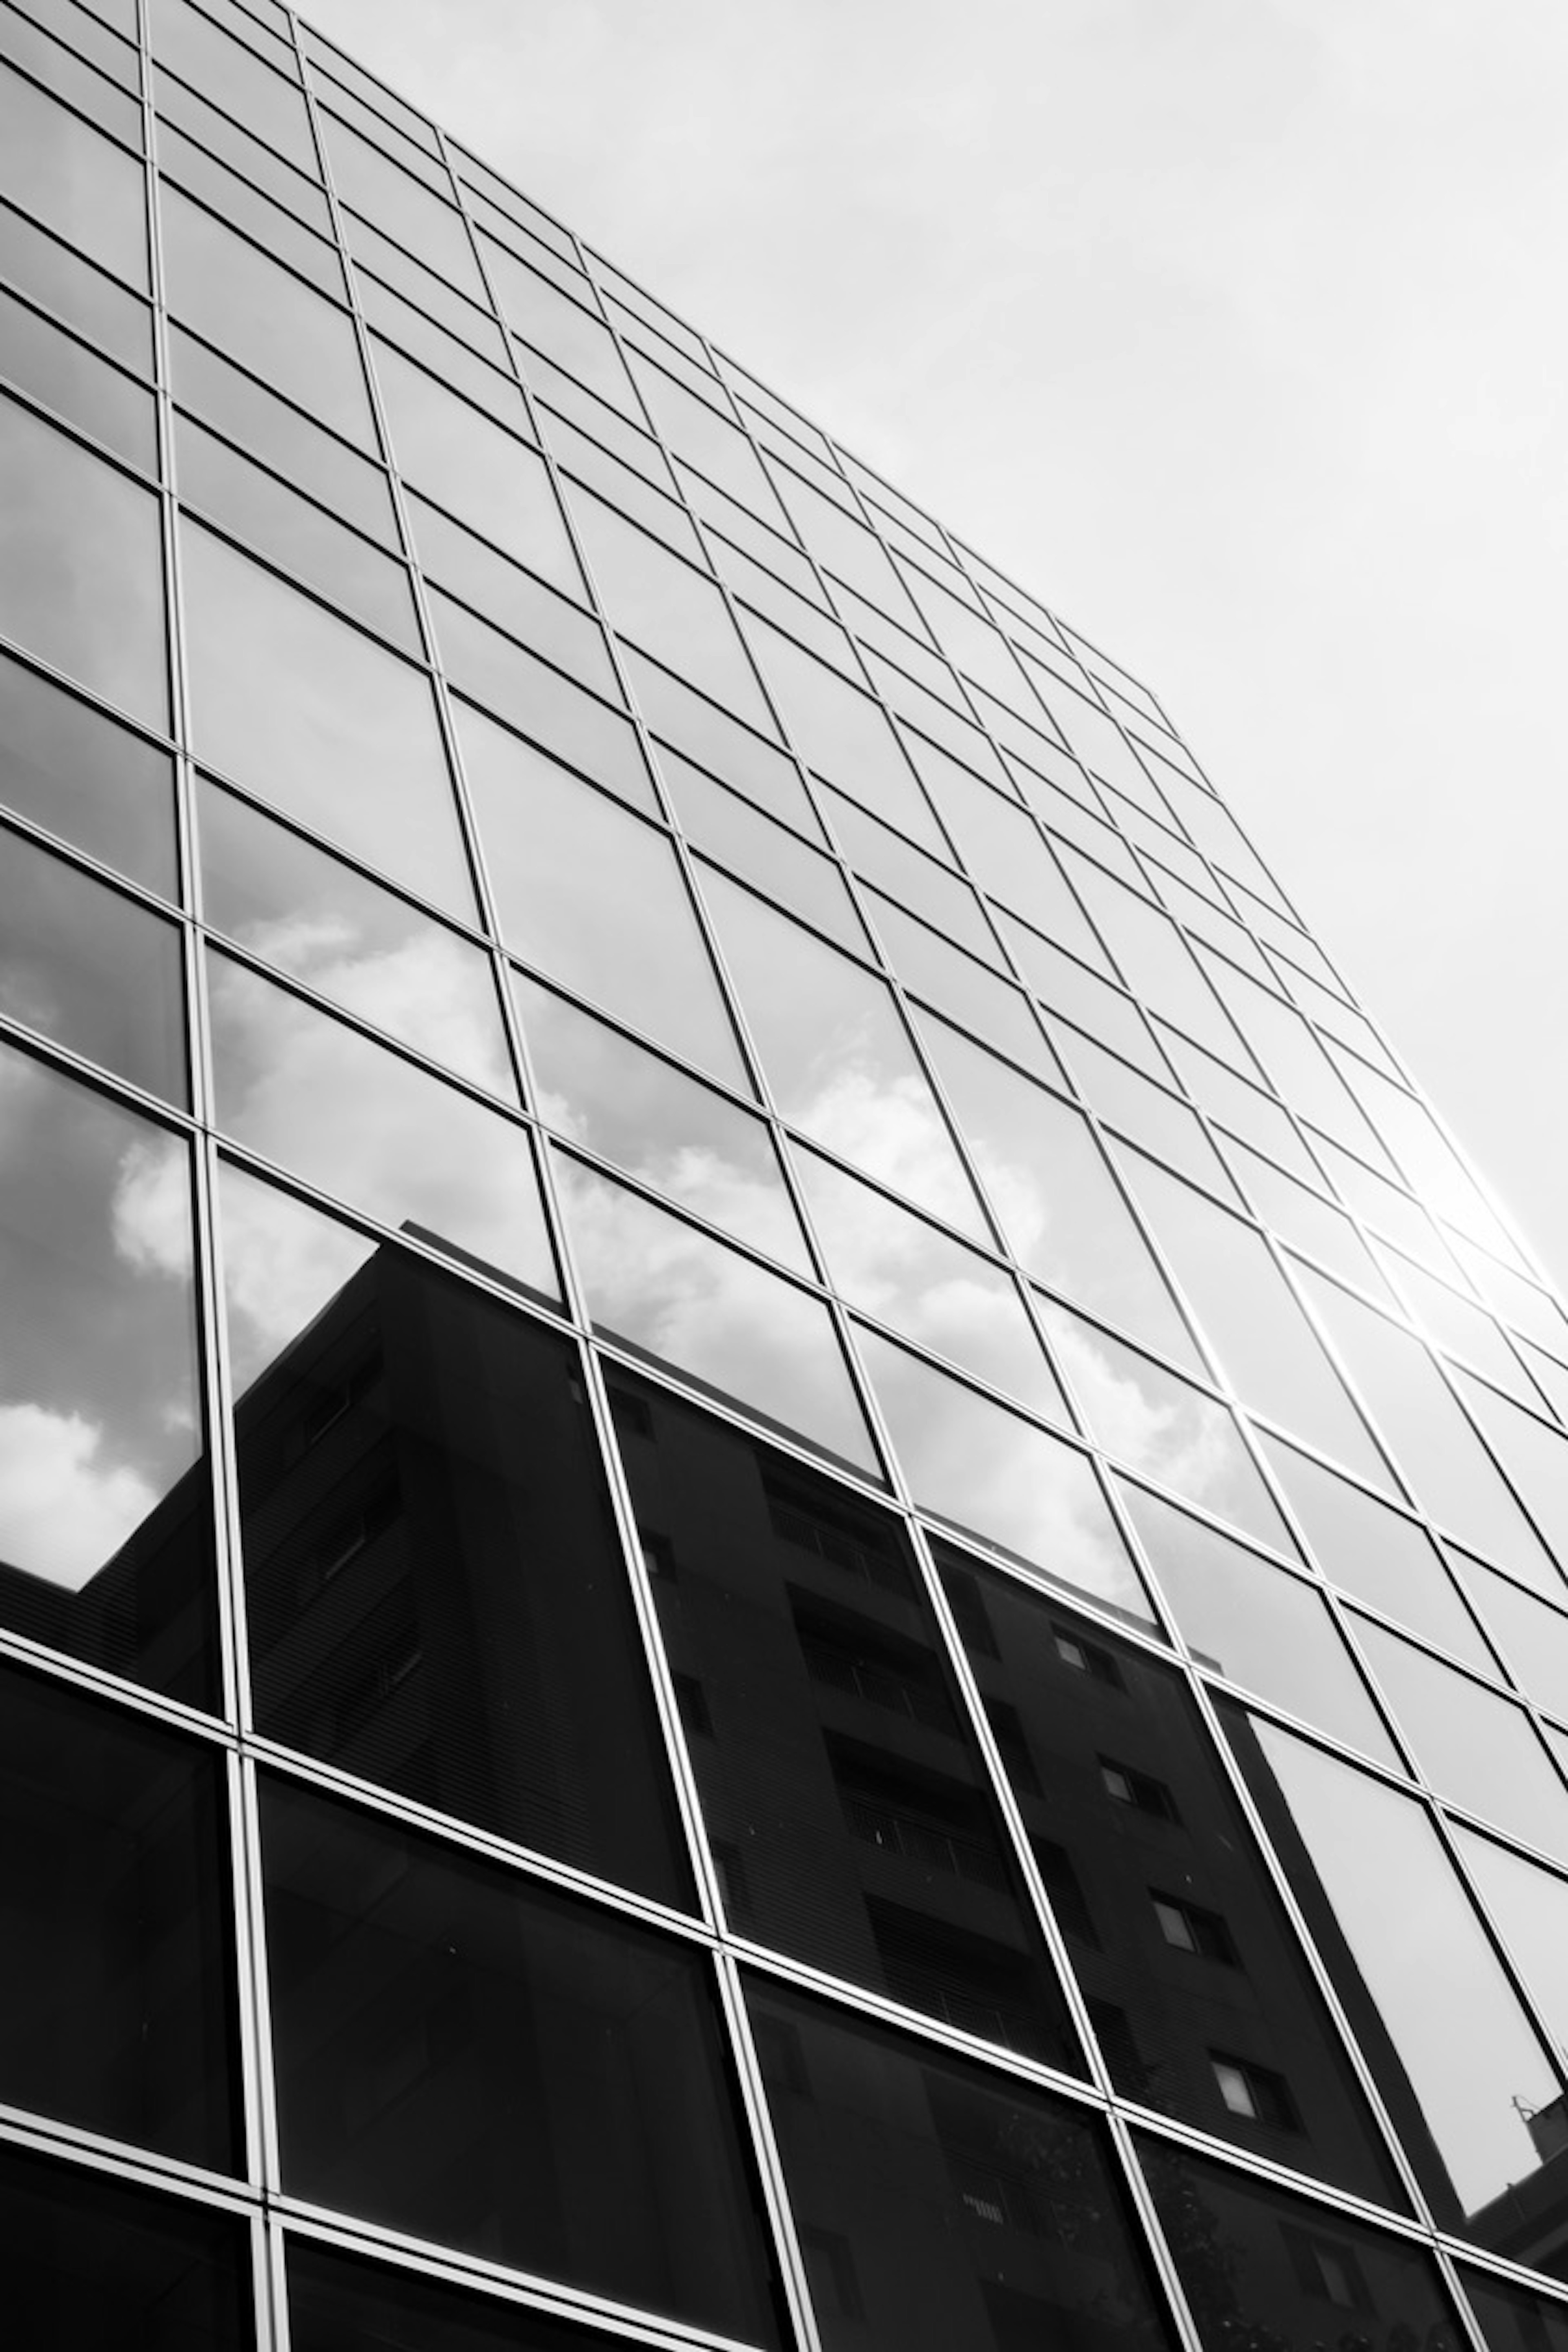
(783, 1557)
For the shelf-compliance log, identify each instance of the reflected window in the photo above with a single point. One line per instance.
(464, 2054)
(376, 1131)
(436, 1597)
(81, 565)
(939, 2204)
(118, 2011)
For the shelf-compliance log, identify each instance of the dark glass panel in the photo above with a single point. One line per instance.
(939, 2205)
(1512, 2318)
(467, 2056)
(94, 2265)
(90, 969)
(375, 1129)
(97, 785)
(836, 1764)
(436, 1596)
(340, 2303)
(63, 374)
(1460, 2066)
(104, 1514)
(116, 1999)
(308, 914)
(81, 566)
(74, 179)
(1073, 1707)
(1266, 2270)
(319, 719)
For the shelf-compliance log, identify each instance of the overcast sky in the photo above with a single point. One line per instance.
(1234, 329)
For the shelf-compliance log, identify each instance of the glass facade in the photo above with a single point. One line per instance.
(784, 1556)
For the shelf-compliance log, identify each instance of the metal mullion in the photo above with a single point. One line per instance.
(101, 1682)
(121, 2160)
(272, 2289)
(251, 1909)
(386, 1803)
(1515, 1976)
(1545, 2285)
(765, 2154)
(1469, 2326)
(1136, 2188)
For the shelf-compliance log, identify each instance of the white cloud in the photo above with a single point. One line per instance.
(63, 1510)
(281, 1264)
(149, 1213)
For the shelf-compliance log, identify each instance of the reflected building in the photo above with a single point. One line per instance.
(784, 1556)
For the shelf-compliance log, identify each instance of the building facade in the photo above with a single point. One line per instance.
(783, 1557)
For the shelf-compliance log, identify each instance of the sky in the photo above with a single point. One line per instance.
(1233, 329)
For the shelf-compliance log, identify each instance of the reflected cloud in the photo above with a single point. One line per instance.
(888, 1126)
(431, 990)
(63, 1510)
(282, 1262)
(149, 1212)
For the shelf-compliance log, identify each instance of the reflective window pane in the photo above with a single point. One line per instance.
(1138, 1833)
(291, 444)
(320, 721)
(118, 2011)
(846, 1800)
(90, 969)
(93, 2264)
(56, 277)
(436, 1597)
(1410, 1972)
(672, 611)
(1534, 1638)
(670, 1292)
(339, 2302)
(308, 914)
(840, 730)
(73, 178)
(63, 374)
(939, 2205)
(462, 2054)
(1259, 2266)
(376, 1131)
(98, 786)
(82, 567)
(1512, 2319)
(576, 726)
(676, 1136)
(104, 1511)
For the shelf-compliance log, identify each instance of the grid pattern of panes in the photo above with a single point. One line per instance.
(781, 1553)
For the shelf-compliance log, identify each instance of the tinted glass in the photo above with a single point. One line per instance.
(73, 178)
(104, 1528)
(81, 569)
(118, 2011)
(92, 2264)
(376, 1131)
(95, 784)
(464, 2054)
(339, 2302)
(90, 969)
(843, 1794)
(1139, 1839)
(63, 374)
(436, 1599)
(939, 2205)
(1512, 2318)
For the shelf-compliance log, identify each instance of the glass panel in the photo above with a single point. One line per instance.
(1473, 1747)
(244, 197)
(310, 914)
(1255, 1624)
(1457, 2064)
(843, 732)
(1512, 2319)
(1530, 1907)
(436, 1597)
(377, 1131)
(63, 374)
(1292, 1056)
(1262, 2268)
(672, 611)
(1453, 1476)
(1146, 1112)
(1006, 852)
(561, 329)
(339, 2303)
(597, 898)
(466, 2055)
(846, 1802)
(90, 969)
(719, 743)
(1238, 1105)
(1002, 1480)
(1065, 1218)
(1534, 1638)
(296, 534)
(971, 992)
(676, 1136)
(104, 1525)
(319, 721)
(1126, 1807)
(292, 445)
(81, 569)
(1456, 1324)
(670, 1293)
(366, 179)
(1307, 1221)
(1163, 1425)
(837, 1055)
(574, 724)
(1374, 1552)
(118, 2003)
(1080, 995)
(550, 625)
(191, 45)
(95, 784)
(944, 1297)
(93, 2265)
(74, 179)
(52, 274)
(236, 295)
(1246, 1307)
(1534, 1454)
(762, 853)
(885, 858)
(939, 2205)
